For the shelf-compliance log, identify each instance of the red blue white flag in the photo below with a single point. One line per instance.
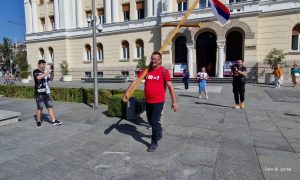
(220, 11)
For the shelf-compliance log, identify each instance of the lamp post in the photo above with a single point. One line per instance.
(95, 69)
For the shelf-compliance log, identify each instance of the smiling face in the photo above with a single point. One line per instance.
(155, 60)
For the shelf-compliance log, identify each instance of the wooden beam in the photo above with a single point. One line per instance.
(170, 24)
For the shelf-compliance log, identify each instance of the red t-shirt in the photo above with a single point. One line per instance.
(154, 85)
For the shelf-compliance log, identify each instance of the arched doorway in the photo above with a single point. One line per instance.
(234, 46)
(206, 48)
(180, 50)
(180, 56)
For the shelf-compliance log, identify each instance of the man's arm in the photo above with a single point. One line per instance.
(125, 97)
(43, 75)
(173, 96)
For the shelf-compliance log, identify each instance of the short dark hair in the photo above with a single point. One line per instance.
(41, 61)
(156, 53)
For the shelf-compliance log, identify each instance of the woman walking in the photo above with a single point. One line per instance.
(201, 78)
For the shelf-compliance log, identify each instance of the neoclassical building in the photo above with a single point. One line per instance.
(58, 30)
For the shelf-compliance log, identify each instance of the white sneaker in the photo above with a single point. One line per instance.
(206, 97)
(199, 97)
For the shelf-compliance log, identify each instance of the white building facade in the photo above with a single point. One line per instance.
(58, 30)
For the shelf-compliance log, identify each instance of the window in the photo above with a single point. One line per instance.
(43, 24)
(51, 55)
(125, 73)
(50, 1)
(41, 1)
(204, 4)
(89, 18)
(87, 74)
(139, 49)
(52, 22)
(236, 1)
(101, 16)
(296, 38)
(99, 52)
(182, 5)
(42, 53)
(126, 12)
(125, 50)
(88, 52)
(100, 74)
(140, 10)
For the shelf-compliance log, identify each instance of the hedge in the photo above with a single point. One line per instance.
(116, 106)
(79, 95)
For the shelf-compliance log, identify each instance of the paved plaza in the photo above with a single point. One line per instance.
(205, 139)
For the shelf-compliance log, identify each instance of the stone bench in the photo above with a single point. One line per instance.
(104, 80)
(8, 117)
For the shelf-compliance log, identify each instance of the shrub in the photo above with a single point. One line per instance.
(64, 67)
(116, 106)
(79, 95)
(274, 57)
(24, 74)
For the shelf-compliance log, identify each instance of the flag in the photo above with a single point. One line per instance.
(220, 11)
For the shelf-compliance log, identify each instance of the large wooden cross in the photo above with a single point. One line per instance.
(181, 23)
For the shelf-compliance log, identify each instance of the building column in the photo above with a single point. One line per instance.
(34, 17)
(190, 47)
(107, 11)
(167, 5)
(79, 13)
(56, 14)
(28, 17)
(115, 11)
(149, 8)
(170, 5)
(221, 58)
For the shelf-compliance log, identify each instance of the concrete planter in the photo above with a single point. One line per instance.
(67, 78)
(25, 81)
(269, 78)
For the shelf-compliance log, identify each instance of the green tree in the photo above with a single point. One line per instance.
(20, 60)
(274, 57)
(5, 49)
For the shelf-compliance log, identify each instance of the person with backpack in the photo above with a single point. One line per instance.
(156, 79)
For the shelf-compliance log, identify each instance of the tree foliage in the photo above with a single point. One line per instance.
(274, 57)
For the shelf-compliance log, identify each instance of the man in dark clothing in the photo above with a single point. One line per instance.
(239, 73)
(42, 93)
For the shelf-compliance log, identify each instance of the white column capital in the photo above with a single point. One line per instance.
(221, 43)
(190, 46)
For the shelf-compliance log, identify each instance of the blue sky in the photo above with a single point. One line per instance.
(12, 11)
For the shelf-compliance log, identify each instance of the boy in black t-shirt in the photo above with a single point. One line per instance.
(42, 93)
(239, 73)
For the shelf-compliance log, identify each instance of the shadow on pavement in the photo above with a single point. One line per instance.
(44, 117)
(211, 104)
(130, 130)
(186, 95)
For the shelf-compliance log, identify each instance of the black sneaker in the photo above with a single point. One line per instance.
(152, 147)
(57, 123)
(39, 124)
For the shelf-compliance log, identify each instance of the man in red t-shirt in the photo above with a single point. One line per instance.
(155, 80)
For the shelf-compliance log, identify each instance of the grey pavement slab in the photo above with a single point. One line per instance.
(205, 139)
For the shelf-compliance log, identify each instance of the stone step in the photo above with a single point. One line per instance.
(8, 117)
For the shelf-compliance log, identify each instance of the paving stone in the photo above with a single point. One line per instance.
(270, 140)
(279, 164)
(237, 162)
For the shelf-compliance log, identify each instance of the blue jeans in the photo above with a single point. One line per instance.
(153, 111)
